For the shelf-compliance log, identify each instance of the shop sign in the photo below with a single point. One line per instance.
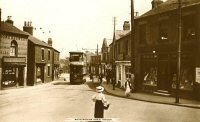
(197, 74)
(14, 59)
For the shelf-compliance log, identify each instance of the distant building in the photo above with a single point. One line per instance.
(105, 50)
(120, 53)
(95, 64)
(13, 54)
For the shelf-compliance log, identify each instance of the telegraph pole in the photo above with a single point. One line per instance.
(132, 38)
(179, 50)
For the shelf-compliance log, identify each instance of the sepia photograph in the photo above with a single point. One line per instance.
(99, 60)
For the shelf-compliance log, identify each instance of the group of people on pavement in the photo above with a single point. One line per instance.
(101, 103)
(129, 84)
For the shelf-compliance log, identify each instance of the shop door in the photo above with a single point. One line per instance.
(21, 76)
(163, 83)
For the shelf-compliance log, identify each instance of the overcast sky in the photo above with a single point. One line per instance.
(74, 24)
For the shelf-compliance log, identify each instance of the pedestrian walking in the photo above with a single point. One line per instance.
(91, 77)
(107, 77)
(127, 87)
(113, 82)
(132, 80)
(100, 103)
(100, 78)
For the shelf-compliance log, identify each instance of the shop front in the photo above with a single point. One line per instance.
(13, 71)
(159, 73)
(122, 72)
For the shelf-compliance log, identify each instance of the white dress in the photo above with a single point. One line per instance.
(128, 89)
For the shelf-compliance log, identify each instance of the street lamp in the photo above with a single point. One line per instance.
(179, 50)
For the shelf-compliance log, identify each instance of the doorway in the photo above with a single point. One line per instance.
(163, 77)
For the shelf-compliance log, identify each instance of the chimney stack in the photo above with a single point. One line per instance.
(126, 25)
(156, 3)
(28, 27)
(50, 41)
(9, 20)
(136, 14)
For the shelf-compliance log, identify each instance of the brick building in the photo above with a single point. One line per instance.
(43, 59)
(120, 54)
(156, 39)
(13, 54)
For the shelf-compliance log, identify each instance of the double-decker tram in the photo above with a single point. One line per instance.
(77, 67)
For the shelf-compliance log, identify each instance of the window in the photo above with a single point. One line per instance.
(48, 71)
(49, 54)
(142, 34)
(42, 57)
(13, 48)
(189, 27)
(126, 47)
(163, 30)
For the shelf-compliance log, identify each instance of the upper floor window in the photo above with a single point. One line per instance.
(42, 56)
(49, 54)
(126, 47)
(189, 27)
(163, 30)
(13, 48)
(142, 34)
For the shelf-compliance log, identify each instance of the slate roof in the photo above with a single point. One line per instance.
(7, 27)
(120, 33)
(168, 6)
(38, 42)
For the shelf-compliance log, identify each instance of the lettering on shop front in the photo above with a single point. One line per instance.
(4, 52)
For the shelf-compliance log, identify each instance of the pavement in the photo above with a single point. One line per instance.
(148, 97)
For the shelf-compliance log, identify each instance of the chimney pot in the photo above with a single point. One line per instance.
(27, 27)
(50, 41)
(126, 25)
(156, 3)
(9, 20)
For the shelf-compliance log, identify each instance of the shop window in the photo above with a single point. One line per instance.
(189, 27)
(142, 34)
(42, 56)
(150, 76)
(163, 31)
(186, 79)
(13, 48)
(149, 73)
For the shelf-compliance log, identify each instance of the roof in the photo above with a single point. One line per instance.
(120, 33)
(7, 27)
(38, 42)
(168, 6)
(107, 42)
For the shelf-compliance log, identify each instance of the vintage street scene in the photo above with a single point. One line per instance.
(100, 61)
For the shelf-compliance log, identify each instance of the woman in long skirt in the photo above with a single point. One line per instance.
(100, 102)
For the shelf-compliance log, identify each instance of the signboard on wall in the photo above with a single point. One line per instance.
(197, 76)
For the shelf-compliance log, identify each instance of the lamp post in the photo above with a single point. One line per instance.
(179, 51)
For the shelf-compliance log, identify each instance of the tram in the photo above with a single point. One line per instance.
(77, 67)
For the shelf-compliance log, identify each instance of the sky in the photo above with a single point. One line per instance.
(72, 24)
